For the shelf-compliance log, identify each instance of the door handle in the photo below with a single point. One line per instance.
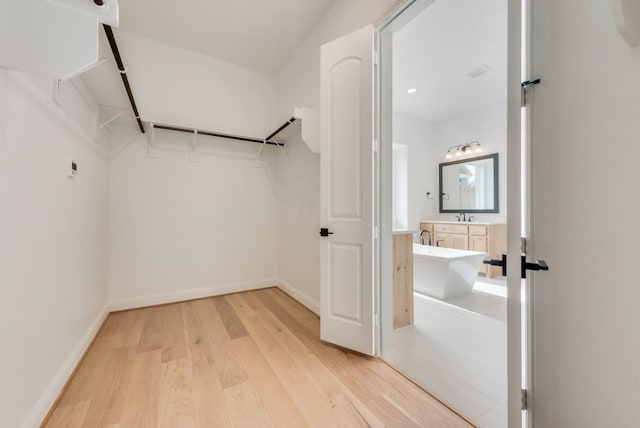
(525, 265)
(502, 262)
(325, 232)
(538, 265)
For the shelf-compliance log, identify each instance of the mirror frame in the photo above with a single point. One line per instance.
(496, 195)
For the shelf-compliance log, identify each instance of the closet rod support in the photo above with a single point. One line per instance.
(283, 126)
(123, 72)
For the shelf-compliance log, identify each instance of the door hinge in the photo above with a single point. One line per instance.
(376, 320)
(523, 245)
(375, 232)
(376, 145)
(375, 58)
(524, 399)
(524, 86)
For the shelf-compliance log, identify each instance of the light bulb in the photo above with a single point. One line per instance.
(458, 152)
(478, 149)
(448, 155)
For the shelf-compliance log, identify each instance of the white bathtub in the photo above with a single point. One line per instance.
(444, 272)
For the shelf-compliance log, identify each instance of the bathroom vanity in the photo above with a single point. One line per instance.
(488, 238)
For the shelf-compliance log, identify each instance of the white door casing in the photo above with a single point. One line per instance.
(346, 186)
(514, 213)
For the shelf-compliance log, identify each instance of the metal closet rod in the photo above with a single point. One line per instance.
(123, 72)
(223, 135)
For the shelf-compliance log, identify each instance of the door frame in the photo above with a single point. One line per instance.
(383, 247)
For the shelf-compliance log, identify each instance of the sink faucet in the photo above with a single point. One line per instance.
(428, 236)
(461, 217)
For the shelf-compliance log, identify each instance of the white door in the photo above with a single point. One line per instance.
(585, 223)
(346, 200)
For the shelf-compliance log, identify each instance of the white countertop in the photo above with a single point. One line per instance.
(442, 253)
(468, 223)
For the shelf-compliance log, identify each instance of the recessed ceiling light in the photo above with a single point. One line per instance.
(479, 71)
(412, 90)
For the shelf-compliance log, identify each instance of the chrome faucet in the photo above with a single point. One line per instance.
(428, 236)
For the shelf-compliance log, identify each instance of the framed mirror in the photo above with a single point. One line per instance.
(469, 185)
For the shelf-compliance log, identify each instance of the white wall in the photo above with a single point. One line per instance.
(298, 182)
(419, 135)
(299, 80)
(53, 260)
(179, 87)
(428, 143)
(489, 127)
(299, 174)
(587, 130)
(180, 229)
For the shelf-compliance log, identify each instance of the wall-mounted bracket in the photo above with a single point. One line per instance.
(626, 14)
(193, 141)
(151, 142)
(120, 112)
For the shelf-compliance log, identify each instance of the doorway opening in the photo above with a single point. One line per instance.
(442, 97)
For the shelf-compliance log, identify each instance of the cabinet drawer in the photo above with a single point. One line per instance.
(427, 226)
(451, 240)
(478, 230)
(451, 228)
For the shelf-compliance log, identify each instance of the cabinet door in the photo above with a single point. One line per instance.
(478, 243)
(452, 240)
(461, 242)
(442, 239)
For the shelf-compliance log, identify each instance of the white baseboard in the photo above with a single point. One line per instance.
(53, 390)
(194, 293)
(310, 303)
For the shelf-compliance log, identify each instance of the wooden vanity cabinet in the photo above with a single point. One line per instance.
(451, 236)
(486, 238)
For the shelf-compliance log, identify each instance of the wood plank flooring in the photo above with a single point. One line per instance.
(250, 359)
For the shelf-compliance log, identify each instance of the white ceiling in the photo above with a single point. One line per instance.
(257, 34)
(435, 51)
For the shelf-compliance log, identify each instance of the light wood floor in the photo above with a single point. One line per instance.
(251, 359)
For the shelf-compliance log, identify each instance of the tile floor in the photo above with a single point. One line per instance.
(457, 349)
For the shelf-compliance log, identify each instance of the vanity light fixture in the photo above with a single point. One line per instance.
(464, 149)
(412, 90)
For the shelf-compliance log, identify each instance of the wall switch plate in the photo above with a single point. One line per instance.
(72, 169)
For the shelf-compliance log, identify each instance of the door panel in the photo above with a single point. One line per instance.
(346, 282)
(345, 123)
